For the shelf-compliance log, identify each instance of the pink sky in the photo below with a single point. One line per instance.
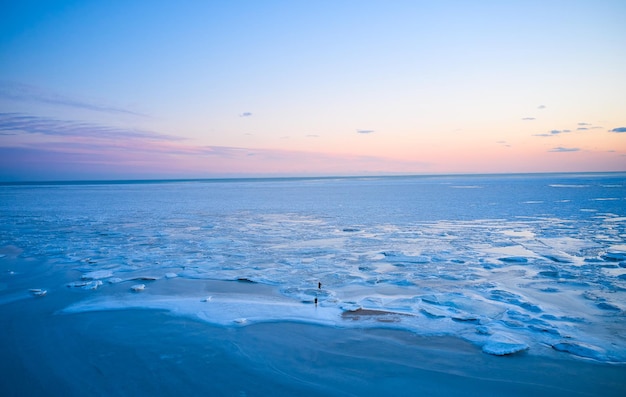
(106, 90)
(60, 157)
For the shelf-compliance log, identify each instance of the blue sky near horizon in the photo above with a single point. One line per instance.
(126, 89)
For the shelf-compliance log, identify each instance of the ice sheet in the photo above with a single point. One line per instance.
(504, 262)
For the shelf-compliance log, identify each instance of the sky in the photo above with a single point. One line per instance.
(192, 89)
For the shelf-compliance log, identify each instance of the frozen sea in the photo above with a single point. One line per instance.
(524, 267)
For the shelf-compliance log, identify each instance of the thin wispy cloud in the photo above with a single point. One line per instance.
(76, 149)
(582, 126)
(19, 124)
(63, 160)
(553, 133)
(528, 118)
(245, 114)
(503, 143)
(365, 131)
(561, 149)
(541, 107)
(28, 93)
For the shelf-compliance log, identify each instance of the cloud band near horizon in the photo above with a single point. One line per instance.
(76, 149)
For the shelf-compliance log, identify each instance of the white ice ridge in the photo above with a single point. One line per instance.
(499, 330)
(219, 309)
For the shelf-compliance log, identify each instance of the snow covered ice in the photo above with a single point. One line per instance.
(512, 263)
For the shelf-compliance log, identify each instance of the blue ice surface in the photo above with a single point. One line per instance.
(500, 260)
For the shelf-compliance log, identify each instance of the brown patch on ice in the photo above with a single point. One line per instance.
(379, 315)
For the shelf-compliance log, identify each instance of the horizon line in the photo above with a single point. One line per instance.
(288, 178)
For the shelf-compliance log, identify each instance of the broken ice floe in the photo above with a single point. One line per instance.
(87, 285)
(581, 349)
(504, 348)
(514, 299)
(138, 287)
(38, 292)
(114, 280)
(93, 285)
(97, 275)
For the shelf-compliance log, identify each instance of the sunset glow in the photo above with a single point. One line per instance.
(142, 89)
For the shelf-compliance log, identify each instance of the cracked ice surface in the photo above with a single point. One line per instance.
(507, 262)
